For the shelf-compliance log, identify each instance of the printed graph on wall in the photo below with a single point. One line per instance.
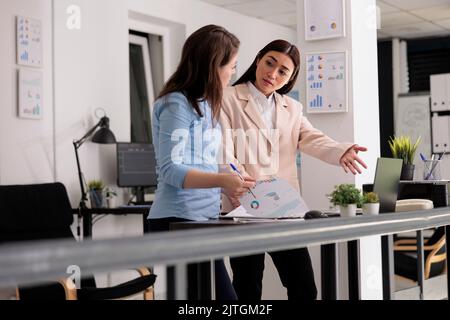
(326, 82)
(30, 94)
(29, 42)
(324, 19)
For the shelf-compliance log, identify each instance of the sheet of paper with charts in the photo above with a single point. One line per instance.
(274, 199)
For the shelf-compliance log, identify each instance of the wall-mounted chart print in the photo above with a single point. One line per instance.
(29, 42)
(30, 94)
(324, 19)
(326, 82)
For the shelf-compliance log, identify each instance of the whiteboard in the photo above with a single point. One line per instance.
(326, 82)
(413, 119)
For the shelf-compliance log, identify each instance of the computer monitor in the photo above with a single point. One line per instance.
(387, 177)
(136, 165)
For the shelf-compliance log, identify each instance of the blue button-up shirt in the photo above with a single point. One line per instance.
(184, 141)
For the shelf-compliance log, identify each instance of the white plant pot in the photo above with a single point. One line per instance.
(111, 202)
(371, 208)
(348, 211)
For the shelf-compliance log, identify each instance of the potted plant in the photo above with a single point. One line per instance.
(96, 188)
(347, 197)
(110, 195)
(370, 203)
(403, 148)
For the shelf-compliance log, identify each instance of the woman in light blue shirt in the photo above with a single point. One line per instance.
(187, 138)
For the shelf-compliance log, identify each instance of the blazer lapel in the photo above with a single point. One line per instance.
(251, 110)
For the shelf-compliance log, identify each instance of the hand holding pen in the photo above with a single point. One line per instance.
(242, 178)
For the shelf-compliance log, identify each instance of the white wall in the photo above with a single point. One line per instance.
(359, 125)
(26, 146)
(253, 33)
(91, 71)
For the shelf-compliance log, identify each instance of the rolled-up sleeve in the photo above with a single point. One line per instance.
(174, 117)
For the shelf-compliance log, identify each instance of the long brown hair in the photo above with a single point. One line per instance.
(197, 75)
(279, 46)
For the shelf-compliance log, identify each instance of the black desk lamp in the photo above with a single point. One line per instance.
(103, 136)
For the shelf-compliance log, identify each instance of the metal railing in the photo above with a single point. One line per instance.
(37, 262)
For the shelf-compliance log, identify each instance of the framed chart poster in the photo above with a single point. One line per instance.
(30, 94)
(326, 82)
(324, 19)
(29, 42)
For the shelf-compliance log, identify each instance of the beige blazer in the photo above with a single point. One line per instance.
(263, 154)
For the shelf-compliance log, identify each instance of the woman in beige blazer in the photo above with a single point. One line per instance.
(263, 129)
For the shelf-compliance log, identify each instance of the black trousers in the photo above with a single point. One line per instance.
(224, 288)
(294, 268)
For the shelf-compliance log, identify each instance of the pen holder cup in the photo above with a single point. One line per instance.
(432, 170)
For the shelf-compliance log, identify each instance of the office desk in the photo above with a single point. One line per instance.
(88, 213)
(434, 190)
(203, 270)
(210, 224)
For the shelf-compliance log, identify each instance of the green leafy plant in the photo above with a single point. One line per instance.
(96, 185)
(403, 148)
(110, 193)
(96, 189)
(345, 194)
(370, 197)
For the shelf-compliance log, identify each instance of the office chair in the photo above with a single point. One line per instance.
(405, 249)
(43, 211)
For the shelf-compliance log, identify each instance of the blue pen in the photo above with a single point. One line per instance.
(434, 165)
(423, 157)
(240, 176)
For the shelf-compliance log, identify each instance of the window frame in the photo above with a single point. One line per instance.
(143, 42)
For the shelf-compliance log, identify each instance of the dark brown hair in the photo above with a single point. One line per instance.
(279, 46)
(197, 75)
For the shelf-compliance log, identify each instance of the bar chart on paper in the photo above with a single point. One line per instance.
(326, 88)
(30, 94)
(317, 102)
